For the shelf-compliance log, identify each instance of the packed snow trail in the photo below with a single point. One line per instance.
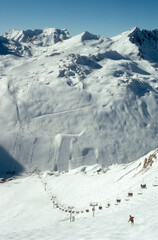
(62, 112)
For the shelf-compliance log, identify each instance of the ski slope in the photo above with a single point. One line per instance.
(27, 211)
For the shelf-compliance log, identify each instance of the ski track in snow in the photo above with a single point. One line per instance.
(62, 112)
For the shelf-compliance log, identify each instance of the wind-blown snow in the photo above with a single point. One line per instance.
(56, 85)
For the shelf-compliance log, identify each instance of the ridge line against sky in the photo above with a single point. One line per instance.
(104, 17)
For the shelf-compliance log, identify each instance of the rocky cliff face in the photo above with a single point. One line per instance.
(147, 42)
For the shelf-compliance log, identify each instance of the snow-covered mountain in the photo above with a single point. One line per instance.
(20, 42)
(45, 37)
(71, 101)
(147, 42)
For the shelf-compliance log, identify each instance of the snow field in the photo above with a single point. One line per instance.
(27, 210)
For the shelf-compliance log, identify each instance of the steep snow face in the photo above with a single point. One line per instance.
(80, 101)
(125, 46)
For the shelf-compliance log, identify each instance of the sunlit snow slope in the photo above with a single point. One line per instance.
(27, 212)
(72, 101)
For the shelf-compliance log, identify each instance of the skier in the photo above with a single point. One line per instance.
(131, 219)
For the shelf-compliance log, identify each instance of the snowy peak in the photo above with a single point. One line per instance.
(144, 37)
(89, 36)
(51, 36)
(45, 37)
(138, 43)
(21, 36)
(147, 42)
(26, 43)
(124, 35)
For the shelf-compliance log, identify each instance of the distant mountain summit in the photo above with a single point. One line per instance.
(147, 42)
(45, 37)
(20, 43)
(144, 37)
(86, 36)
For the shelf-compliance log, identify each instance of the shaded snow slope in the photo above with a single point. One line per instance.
(27, 211)
(84, 100)
(147, 41)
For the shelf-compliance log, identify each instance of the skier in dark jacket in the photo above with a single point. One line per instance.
(131, 219)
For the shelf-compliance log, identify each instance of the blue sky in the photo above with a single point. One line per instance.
(103, 17)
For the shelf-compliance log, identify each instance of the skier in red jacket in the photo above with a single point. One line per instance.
(131, 219)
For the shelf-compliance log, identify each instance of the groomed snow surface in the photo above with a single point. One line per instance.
(26, 204)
